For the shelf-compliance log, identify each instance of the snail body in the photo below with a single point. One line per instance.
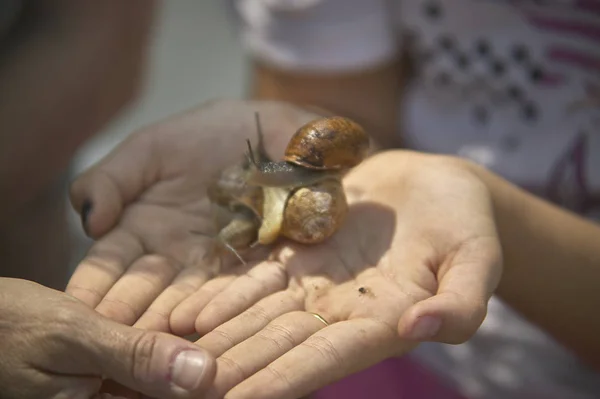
(239, 206)
(237, 234)
(300, 198)
(315, 160)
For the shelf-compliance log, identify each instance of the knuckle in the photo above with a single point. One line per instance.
(65, 317)
(87, 295)
(225, 336)
(154, 262)
(70, 327)
(153, 319)
(141, 354)
(257, 312)
(325, 349)
(184, 287)
(155, 269)
(280, 335)
(279, 378)
(158, 315)
(234, 366)
(103, 259)
(237, 296)
(118, 310)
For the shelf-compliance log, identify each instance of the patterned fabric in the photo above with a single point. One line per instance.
(511, 84)
(518, 74)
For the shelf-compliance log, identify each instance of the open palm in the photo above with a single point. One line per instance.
(395, 274)
(145, 200)
(417, 258)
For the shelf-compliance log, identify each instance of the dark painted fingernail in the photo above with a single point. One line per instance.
(85, 213)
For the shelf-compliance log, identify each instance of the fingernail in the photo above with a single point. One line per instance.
(86, 209)
(426, 327)
(187, 369)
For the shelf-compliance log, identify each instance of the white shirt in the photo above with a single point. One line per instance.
(512, 85)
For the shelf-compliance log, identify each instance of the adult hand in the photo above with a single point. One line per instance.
(54, 346)
(417, 259)
(143, 201)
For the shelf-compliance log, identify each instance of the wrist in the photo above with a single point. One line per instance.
(507, 204)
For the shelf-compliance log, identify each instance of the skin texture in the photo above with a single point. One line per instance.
(355, 95)
(142, 220)
(149, 195)
(426, 242)
(552, 263)
(54, 346)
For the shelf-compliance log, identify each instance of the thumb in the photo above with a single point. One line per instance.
(153, 363)
(459, 307)
(100, 194)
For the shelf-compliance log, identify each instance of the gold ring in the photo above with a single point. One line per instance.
(320, 318)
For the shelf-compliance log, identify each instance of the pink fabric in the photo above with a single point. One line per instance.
(392, 379)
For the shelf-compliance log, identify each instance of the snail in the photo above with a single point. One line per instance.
(315, 159)
(236, 207)
(319, 149)
(300, 198)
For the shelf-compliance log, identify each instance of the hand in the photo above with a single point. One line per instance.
(417, 259)
(54, 346)
(143, 201)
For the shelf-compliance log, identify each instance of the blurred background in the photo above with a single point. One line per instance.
(194, 56)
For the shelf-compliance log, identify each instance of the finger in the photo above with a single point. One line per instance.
(275, 339)
(104, 190)
(325, 357)
(158, 315)
(149, 362)
(459, 307)
(259, 282)
(131, 295)
(183, 317)
(241, 327)
(103, 266)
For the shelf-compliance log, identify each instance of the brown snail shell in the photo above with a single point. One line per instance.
(314, 213)
(300, 198)
(329, 143)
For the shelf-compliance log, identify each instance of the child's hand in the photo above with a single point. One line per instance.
(417, 259)
(145, 201)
